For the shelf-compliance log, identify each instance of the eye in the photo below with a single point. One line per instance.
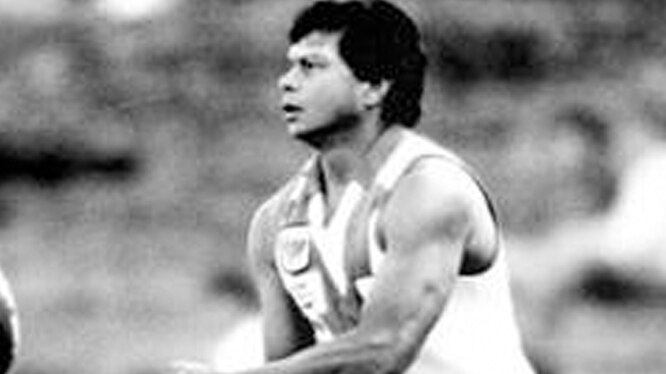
(306, 64)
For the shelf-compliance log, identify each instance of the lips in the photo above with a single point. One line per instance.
(291, 111)
(289, 108)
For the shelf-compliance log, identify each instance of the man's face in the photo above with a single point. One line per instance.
(320, 93)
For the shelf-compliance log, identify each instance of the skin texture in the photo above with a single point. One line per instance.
(436, 220)
(328, 101)
(429, 223)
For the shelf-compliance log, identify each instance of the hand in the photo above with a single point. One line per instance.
(190, 367)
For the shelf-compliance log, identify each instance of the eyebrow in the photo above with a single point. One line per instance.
(295, 55)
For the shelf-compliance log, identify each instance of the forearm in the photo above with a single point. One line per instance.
(348, 354)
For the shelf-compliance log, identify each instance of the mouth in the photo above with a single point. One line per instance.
(291, 111)
(291, 108)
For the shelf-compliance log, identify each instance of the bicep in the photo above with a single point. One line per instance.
(425, 227)
(284, 329)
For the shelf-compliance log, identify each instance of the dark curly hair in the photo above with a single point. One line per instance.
(378, 42)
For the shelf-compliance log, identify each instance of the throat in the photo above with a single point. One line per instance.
(343, 168)
(337, 173)
(332, 210)
(333, 197)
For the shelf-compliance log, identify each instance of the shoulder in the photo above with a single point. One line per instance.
(449, 175)
(435, 188)
(432, 164)
(264, 226)
(440, 200)
(266, 221)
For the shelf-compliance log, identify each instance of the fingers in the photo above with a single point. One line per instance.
(189, 367)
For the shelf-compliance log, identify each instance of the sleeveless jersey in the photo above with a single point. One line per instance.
(328, 267)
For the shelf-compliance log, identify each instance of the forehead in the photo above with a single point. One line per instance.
(317, 43)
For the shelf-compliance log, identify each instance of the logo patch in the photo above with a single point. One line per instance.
(294, 249)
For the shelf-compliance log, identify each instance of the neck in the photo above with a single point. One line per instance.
(343, 159)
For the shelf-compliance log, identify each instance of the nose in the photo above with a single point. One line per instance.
(286, 82)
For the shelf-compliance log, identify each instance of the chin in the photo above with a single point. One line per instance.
(307, 137)
(324, 135)
(296, 128)
(305, 133)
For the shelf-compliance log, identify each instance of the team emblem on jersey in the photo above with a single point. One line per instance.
(294, 249)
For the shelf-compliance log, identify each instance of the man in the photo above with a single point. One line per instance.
(382, 254)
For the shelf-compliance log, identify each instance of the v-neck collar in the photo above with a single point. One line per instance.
(374, 157)
(309, 182)
(329, 228)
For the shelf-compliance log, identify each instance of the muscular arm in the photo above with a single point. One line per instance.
(426, 224)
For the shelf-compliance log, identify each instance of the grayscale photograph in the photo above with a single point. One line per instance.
(332, 186)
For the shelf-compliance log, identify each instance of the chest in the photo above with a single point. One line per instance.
(320, 262)
(334, 243)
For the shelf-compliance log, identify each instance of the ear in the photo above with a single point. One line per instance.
(373, 94)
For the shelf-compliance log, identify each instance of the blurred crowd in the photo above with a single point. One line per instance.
(129, 138)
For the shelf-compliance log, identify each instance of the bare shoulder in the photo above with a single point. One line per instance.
(441, 199)
(439, 187)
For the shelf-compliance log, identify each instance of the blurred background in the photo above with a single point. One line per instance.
(137, 137)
